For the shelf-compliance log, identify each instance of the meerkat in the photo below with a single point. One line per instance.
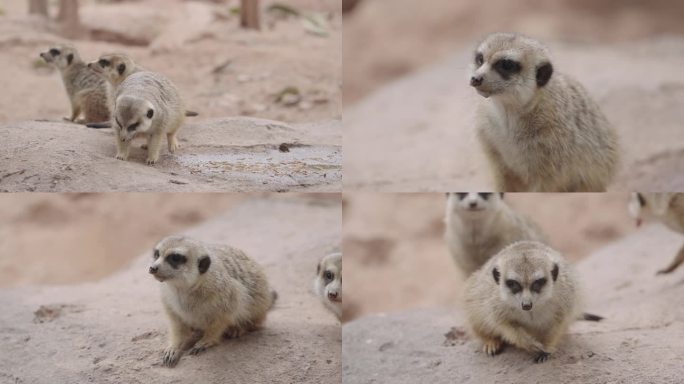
(328, 283)
(526, 295)
(116, 67)
(214, 289)
(88, 92)
(539, 129)
(668, 208)
(479, 225)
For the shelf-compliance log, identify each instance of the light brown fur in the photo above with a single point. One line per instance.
(539, 133)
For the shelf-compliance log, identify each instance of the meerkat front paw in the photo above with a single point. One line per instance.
(541, 357)
(171, 356)
(120, 156)
(233, 332)
(493, 347)
(201, 346)
(151, 161)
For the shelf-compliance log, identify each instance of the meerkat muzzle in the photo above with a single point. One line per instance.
(526, 306)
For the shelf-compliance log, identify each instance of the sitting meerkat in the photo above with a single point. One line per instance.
(539, 129)
(479, 225)
(88, 92)
(668, 208)
(526, 295)
(214, 289)
(328, 283)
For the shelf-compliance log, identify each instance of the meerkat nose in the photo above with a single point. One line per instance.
(154, 269)
(476, 81)
(332, 295)
(526, 306)
(473, 204)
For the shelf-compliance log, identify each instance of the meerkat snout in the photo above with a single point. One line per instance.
(476, 81)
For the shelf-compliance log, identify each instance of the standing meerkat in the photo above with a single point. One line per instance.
(539, 129)
(479, 225)
(88, 92)
(526, 295)
(668, 208)
(328, 283)
(215, 289)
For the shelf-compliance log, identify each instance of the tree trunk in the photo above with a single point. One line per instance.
(68, 18)
(249, 14)
(348, 5)
(39, 7)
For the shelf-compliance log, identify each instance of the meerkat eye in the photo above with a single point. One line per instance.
(328, 275)
(507, 65)
(103, 63)
(176, 259)
(156, 254)
(150, 113)
(538, 285)
(121, 68)
(514, 286)
(479, 59)
(484, 195)
(132, 127)
(54, 52)
(461, 195)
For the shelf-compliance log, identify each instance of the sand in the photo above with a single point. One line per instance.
(113, 330)
(640, 341)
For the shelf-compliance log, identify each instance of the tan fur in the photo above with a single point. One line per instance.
(495, 315)
(230, 298)
(330, 290)
(88, 93)
(546, 138)
(475, 234)
(139, 95)
(115, 68)
(667, 208)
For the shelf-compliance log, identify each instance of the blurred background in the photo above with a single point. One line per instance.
(289, 69)
(68, 238)
(385, 39)
(395, 256)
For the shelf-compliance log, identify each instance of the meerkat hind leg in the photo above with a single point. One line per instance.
(674, 264)
(172, 141)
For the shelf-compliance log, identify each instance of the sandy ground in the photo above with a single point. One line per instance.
(640, 341)
(230, 154)
(113, 330)
(221, 70)
(394, 243)
(427, 142)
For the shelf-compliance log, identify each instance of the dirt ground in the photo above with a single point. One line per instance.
(619, 282)
(393, 243)
(113, 330)
(225, 73)
(426, 141)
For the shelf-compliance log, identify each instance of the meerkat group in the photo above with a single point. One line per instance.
(114, 91)
(539, 129)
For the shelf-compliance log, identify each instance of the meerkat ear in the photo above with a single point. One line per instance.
(554, 272)
(544, 72)
(204, 263)
(150, 113)
(495, 273)
(70, 58)
(121, 68)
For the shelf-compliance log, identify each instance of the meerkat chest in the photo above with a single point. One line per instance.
(184, 306)
(504, 132)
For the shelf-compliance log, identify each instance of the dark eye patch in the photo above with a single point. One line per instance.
(507, 67)
(175, 260)
(514, 286)
(103, 63)
(132, 127)
(537, 285)
(461, 195)
(328, 276)
(484, 195)
(479, 59)
(156, 254)
(54, 52)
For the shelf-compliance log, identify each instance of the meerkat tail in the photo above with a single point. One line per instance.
(591, 317)
(104, 124)
(191, 113)
(675, 263)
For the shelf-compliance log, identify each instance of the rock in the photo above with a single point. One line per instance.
(640, 340)
(90, 330)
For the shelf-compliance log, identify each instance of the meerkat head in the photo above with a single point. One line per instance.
(464, 203)
(61, 56)
(510, 66)
(113, 67)
(179, 260)
(132, 116)
(525, 273)
(328, 282)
